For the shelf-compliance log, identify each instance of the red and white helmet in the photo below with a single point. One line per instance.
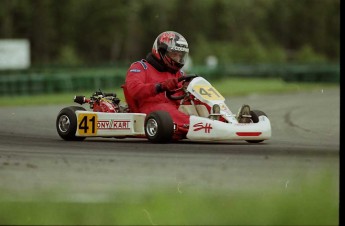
(172, 49)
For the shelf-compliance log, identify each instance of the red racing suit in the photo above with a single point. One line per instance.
(141, 80)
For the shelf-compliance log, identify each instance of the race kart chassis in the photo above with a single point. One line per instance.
(210, 118)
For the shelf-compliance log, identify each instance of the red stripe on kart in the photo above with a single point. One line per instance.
(248, 134)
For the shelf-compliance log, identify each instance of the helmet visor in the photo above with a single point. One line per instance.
(177, 56)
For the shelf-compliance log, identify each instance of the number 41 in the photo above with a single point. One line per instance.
(84, 124)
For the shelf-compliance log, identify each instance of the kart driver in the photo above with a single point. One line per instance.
(148, 79)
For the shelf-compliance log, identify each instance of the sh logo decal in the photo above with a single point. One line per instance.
(199, 126)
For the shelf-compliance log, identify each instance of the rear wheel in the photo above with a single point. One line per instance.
(255, 118)
(159, 127)
(66, 123)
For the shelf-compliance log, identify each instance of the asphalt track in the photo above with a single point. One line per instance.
(305, 143)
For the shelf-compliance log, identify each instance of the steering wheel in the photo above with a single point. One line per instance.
(185, 78)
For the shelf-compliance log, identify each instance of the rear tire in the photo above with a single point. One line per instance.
(66, 123)
(255, 118)
(159, 127)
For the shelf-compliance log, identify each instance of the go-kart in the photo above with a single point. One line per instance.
(210, 117)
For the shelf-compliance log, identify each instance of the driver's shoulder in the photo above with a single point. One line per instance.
(140, 64)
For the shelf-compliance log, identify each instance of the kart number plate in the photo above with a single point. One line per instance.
(87, 124)
(208, 92)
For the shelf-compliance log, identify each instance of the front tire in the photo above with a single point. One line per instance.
(159, 127)
(66, 123)
(255, 118)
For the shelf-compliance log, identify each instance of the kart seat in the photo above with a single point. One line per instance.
(132, 105)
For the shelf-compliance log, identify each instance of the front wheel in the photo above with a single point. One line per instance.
(255, 118)
(159, 127)
(66, 123)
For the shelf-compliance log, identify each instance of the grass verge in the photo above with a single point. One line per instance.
(228, 87)
(309, 202)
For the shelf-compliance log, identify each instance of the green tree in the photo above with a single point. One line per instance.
(103, 31)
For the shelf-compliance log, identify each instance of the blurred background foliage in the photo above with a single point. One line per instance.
(90, 32)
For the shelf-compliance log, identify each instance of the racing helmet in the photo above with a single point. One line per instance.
(172, 49)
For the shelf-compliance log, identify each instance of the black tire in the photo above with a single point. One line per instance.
(256, 114)
(255, 117)
(66, 123)
(159, 127)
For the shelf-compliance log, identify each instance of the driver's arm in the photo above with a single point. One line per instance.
(169, 84)
(138, 88)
